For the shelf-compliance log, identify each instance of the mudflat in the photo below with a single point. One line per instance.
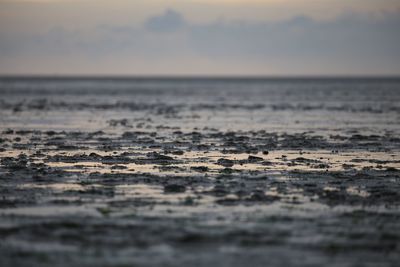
(199, 172)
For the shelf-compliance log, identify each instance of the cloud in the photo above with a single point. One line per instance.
(169, 21)
(167, 43)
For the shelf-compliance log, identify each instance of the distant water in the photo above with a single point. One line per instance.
(371, 105)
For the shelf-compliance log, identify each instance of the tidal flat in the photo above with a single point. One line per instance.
(199, 172)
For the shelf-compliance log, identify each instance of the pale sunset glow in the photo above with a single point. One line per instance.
(199, 36)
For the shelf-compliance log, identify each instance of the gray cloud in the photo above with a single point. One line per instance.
(351, 44)
(167, 22)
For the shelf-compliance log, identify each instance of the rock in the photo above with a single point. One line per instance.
(225, 162)
(253, 159)
(199, 168)
(174, 188)
(156, 156)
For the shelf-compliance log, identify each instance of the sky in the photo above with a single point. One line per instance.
(200, 37)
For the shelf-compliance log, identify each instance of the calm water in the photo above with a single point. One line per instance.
(270, 104)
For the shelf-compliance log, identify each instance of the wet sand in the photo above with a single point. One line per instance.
(204, 172)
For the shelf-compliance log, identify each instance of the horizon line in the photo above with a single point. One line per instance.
(190, 77)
